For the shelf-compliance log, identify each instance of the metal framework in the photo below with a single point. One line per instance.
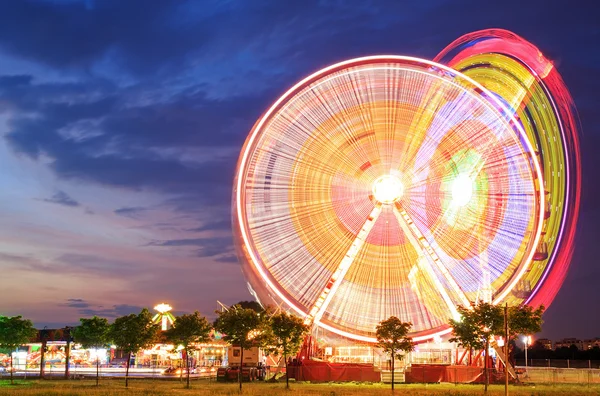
(392, 185)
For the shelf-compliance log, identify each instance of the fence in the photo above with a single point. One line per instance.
(560, 363)
(545, 375)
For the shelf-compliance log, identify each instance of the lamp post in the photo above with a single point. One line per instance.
(527, 341)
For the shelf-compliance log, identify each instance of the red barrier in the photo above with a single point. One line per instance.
(431, 373)
(316, 371)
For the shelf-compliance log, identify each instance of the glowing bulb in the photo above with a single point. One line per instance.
(387, 189)
(462, 190)
(163, 308)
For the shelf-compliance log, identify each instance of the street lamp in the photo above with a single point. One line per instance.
(527, 341)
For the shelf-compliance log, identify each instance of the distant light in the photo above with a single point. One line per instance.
(462, 189)
(163, 308)
(387, 189)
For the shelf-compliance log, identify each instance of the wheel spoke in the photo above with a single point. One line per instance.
(422, 246)
(338, 275)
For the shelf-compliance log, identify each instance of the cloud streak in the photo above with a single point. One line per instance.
(62, 198)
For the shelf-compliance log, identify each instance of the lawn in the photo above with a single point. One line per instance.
(203, 387)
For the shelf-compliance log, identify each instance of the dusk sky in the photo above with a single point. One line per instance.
(121, 123)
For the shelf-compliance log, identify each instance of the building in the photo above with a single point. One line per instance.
(567, 342)
(545, 343)
(591, 343)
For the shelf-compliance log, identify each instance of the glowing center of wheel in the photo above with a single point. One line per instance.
(462, 190)
(387, 189)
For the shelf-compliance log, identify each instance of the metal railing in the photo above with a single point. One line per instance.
(560, 363)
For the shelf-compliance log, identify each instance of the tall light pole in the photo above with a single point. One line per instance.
(527, 340)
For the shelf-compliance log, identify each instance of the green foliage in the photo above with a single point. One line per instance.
(392, 337)
(524, 320)
(288, 331)
(243, 327)
(478, 323)
(92, 333)
(188, 330)
(133, 332)
(254, 305)
(240, 326)
(15, 331)
(484, 320)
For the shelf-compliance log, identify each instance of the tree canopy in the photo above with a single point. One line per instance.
(240, 326)
(288, 334)
(92, 333)
(188, 330)
(524, 320)
(14, 332)
(254, 305)
(477, 324)
(392, 337)
(133, 332)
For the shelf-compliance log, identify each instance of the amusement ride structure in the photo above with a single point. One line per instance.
(392, 185)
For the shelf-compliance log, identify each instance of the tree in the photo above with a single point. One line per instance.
(133, 332)
(524, 320)
(93, 333)
(188, 330)
(477, 325)
(240, 326)
(253, 305)
(14, 332)
(392, 338)
(288, 333)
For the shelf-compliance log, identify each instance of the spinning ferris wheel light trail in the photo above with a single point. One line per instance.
(391, 185)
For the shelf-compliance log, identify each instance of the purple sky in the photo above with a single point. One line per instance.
(121, 123)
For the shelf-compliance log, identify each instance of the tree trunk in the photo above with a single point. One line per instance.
(127, 369)
(187, 368)
(12, 382)
(393, 369)
(68, 358)
(287, 372)
(42, 359)
(97, 370)
(485, 364)
(241, 365)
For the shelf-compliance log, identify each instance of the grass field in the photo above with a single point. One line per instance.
(158, 387)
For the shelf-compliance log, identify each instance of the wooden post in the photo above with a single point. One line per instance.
(485, 365)
(506, 363)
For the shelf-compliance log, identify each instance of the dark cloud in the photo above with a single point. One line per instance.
(69, 34)
(16, 259)
(207, 247)
(77, 303)
(219, 225)
(227, 258)
(131, 211)
(62, 198)
(88, 309)
(160, 97)
(85, 265)
(134, 147)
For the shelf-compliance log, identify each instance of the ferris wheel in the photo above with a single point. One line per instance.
(389, 185)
